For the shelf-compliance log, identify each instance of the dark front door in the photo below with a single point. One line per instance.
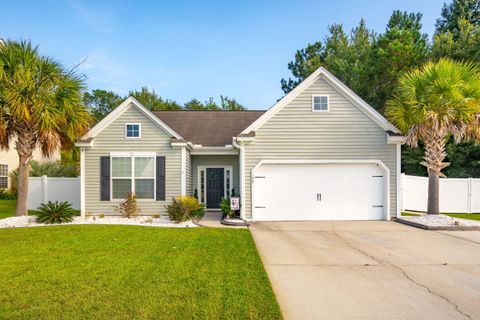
(215, 187)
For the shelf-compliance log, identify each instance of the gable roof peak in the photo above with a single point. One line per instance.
(339, 86)
(130, 101)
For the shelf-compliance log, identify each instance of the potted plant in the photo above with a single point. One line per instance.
(226, 209)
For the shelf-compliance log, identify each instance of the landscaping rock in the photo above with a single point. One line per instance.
(439, 222)
(30, 221)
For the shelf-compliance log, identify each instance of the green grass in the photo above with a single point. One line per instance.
(7, 208)
(127, 272)
(469, 216)
(410, 214)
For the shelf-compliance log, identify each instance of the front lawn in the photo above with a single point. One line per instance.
(126, 272)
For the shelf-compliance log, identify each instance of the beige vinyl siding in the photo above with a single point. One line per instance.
(343, 133)
(216, 160)
(10, 158)
(188, 174)
(112, 139)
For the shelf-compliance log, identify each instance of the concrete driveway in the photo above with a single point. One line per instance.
(370, 270)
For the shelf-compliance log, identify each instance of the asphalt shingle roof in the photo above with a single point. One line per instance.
(208, 128)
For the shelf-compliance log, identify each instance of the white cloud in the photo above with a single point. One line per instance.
(100, 18)
(104, 72)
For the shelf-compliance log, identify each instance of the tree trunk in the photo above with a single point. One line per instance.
(434, 155)
(433, 192)
(25, 144)
(22, 191)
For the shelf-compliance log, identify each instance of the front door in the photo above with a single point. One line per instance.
(215, 187)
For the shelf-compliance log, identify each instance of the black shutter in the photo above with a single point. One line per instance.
(105, 178)
(160, 179)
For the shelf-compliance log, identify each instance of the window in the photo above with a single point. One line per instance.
(320, 103)
(133, 175)
(3, 176)
(202, 186)
(227, 182)
(132, 130)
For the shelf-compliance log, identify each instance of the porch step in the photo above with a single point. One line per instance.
(234, 222)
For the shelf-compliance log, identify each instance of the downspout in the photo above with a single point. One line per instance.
(183, 171)
(241, 148)
(82, 182)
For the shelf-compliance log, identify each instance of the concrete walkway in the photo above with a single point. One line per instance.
(212, 219)
(370, 270)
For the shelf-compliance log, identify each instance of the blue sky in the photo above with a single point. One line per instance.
(191, 49)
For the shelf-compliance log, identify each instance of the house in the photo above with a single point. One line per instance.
(9, 162)
(320, 153)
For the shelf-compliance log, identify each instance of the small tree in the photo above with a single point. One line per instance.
(432, 103)
(128, 208)
(40, 105)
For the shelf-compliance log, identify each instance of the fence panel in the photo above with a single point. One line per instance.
(44, 189)
(414, 193)
(475, 195)
(456, 195)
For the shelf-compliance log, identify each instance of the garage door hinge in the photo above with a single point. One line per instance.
(259, 207)
(377, 206)
(377, 176)
(259, 177)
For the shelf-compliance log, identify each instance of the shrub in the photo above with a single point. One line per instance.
(225, 207)
(5, 195)
(128, 208)
(14, 182)
(52, 169)
(184, 208)
(55, 212)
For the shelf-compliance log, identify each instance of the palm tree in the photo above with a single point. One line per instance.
(432, 103)
(40, 106)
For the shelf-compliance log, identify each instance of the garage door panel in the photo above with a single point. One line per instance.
(318, 192)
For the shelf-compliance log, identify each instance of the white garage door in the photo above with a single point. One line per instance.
(288, 192)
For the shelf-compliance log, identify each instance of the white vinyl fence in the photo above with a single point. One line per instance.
(44, 189)
(456, 194)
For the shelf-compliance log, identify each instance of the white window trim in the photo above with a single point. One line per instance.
(132, 156)
(5, 164)
(139, 130)
(225, 191)
(319, 96)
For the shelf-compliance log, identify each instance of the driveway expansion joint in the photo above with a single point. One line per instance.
(457, 237)
(404, 273)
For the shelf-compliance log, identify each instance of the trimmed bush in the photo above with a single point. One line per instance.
(55, 212)
(185, 208)
(128, 208)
